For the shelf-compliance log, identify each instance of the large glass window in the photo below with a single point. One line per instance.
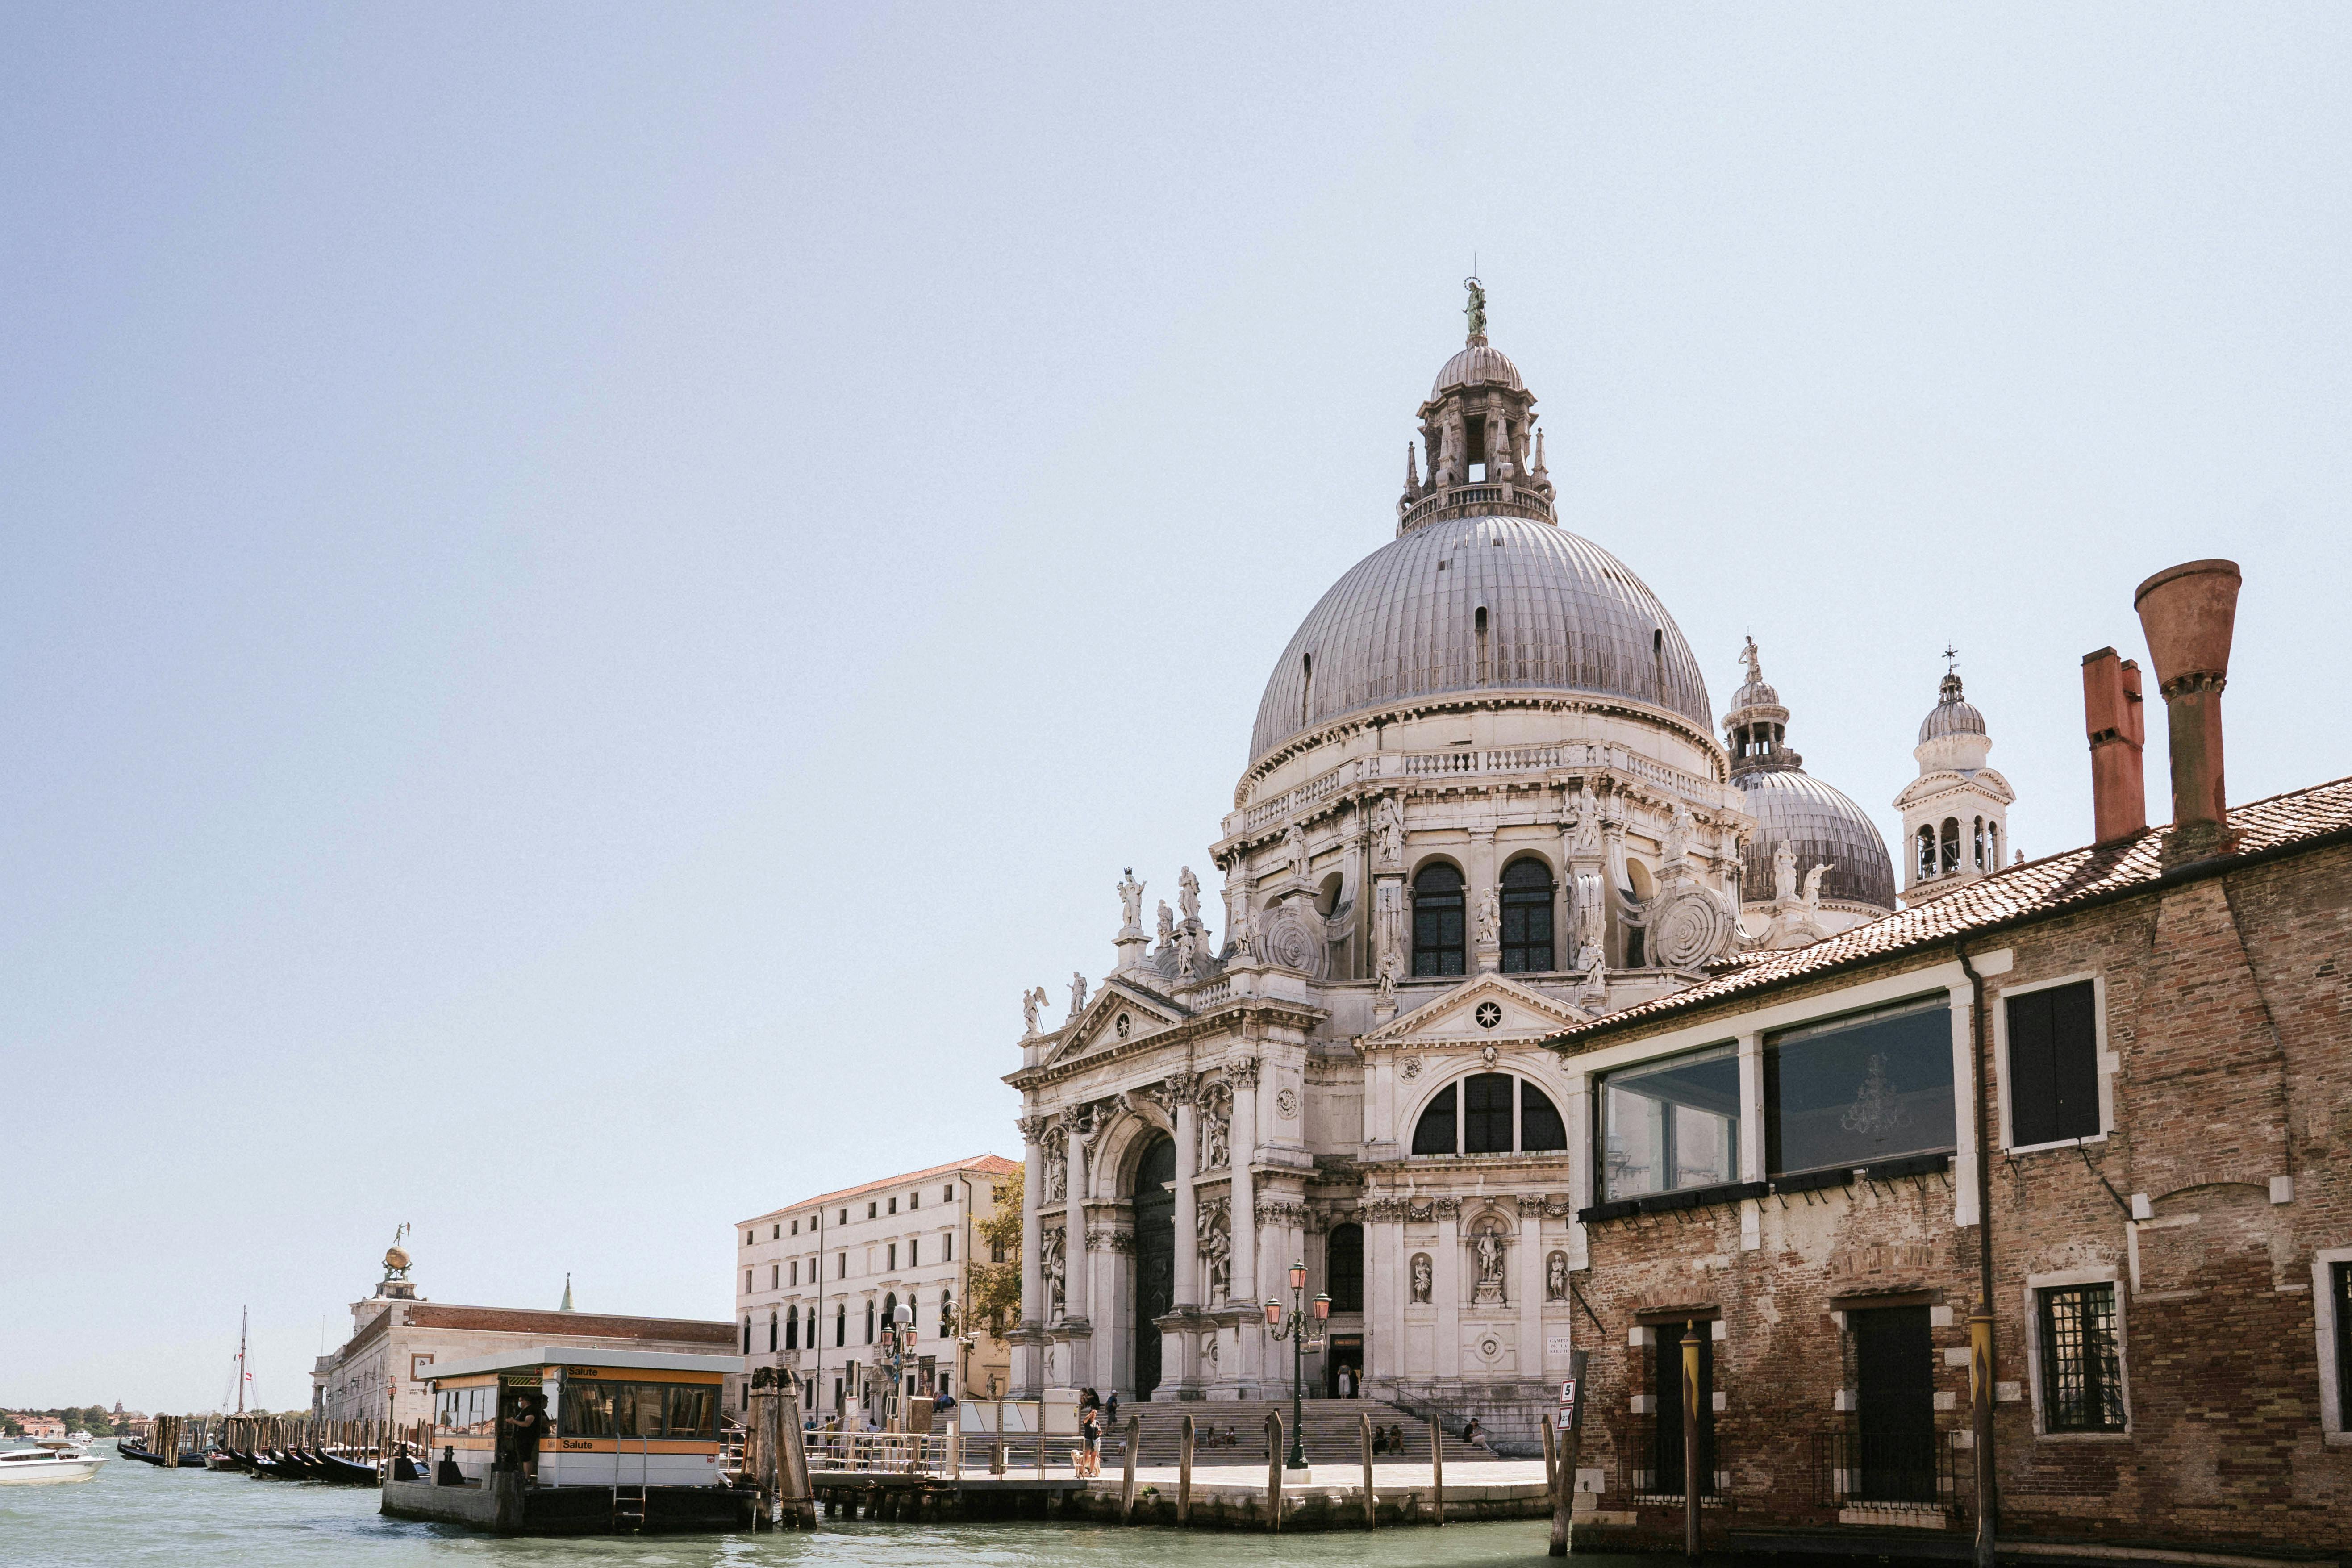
(1526, 917)
(2082, 1375)
(2053, 1065)
(1874, 1086)
(594, 1408)
(467, 1412)
(1671, 1124)
(1486, 1114)
(1437, 920)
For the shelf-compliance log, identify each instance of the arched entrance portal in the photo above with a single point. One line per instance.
(1155, 1255)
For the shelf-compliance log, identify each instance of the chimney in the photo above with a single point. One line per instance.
(2113, 715)
(2188, 613)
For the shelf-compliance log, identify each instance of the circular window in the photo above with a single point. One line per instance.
(1122, 1026)
(1489, 1014)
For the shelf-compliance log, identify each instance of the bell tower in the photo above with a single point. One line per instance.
(1956, 813)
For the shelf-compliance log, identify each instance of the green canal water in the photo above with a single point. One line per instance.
(134, 1513)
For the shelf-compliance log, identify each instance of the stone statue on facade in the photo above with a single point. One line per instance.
(1216, 1127)
(1188, 952)
(1422, 1279)
(1588, 823)
(1030, 1002)
(1592, 919)
(1213, 1233)
(1556, 1267)
(1486, 1248)
(1676, 847)
(1812, 893)
(1293, 848)
(1054, 1150)
(1130, 902)
(1188, 895)
(1391, 970)
(1784, 871)
(1167, 925)
(1054, 1267)
(1389, 831)
(1077, 994)
(1490, 918)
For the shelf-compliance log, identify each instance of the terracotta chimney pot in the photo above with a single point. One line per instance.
(2188, 613)
(2113, 716)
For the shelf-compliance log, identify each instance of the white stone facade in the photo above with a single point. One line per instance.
(815, 1280)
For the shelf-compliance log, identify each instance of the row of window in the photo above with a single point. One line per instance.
(1939, 851)
(1852, 1091)
(874, 1210)
(788, 1329)
(788, 1272)
(1440, 921)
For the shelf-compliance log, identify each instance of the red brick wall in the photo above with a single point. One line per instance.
(2227, 1004)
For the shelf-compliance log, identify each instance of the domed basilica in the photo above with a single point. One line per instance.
(1485, 799)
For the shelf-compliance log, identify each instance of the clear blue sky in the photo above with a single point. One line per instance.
(591, 591)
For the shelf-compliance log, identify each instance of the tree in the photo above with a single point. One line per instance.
(995, 1289)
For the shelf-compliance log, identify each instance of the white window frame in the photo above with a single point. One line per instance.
(2107, 1062)
(2034, 1285)
(2334, 1421)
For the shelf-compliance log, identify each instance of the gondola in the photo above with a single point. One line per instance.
(269, 1462)
(190, 1461)
(350, 1473)
(139, 1453)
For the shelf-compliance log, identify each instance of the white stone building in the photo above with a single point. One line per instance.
(1956, 813)
(398, 1337)
(1482, 798)
(815, 1280)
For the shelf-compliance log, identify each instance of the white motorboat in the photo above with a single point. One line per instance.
(48, 1461)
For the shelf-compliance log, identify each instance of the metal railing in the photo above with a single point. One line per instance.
(1930, 1470)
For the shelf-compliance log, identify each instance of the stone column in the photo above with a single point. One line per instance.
(1579, 1166)
(1449, 1287)
(1188, 1235)
(1028, 1369)
(1529, 1281)
(1074, 1222)
(1384, 1290)
(1242, 1154)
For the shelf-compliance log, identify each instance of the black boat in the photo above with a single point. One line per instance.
(348, 1471)
(139, 1453)
(270, 1462)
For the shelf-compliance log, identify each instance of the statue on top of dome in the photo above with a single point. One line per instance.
(1755, 663)
(1476, 309)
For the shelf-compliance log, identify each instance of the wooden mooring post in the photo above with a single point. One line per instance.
(1437, 1469)
(1184, 1472)
(1371, 1497)
(1126, 1475)
(1274, 1470)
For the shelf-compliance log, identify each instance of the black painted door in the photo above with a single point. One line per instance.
(1894, 1404)
(1155, 1257)
(1666, 1386)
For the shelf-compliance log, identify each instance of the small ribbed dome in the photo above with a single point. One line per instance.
(1479, 365)
(1480, 604)
(1754, 694)
(1952, 715)
(1818, 822)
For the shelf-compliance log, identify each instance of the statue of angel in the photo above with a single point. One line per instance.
(1030, 1002)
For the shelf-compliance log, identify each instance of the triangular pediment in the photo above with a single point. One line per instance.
(1096, 1028)
(1484, 1007)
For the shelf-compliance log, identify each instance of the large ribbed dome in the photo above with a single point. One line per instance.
(1559, 615)
(1818, 822)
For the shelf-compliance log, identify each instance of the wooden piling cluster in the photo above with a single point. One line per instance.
(775, 1462)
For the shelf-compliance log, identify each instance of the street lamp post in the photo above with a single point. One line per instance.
(1295, 1331)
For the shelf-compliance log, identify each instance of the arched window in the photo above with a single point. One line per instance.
(1526, 917)
(1992, 844)
(890, 1309)
(1343, 1267)
(1977, 846)
(1435, 1132)
(1437, 920)
(841, 1324)
(1474, 1117)
(1486, 1114)
(747, 1335)
(869, 1322)
(1927, 853)
(947, 1314)
(771, 1329)
(1306, 688)
(1540, 1129)
(1951, 844)
(792, 1327)
(1486, 664)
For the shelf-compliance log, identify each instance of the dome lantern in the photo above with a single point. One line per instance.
(1956, 813)
(1481, 448)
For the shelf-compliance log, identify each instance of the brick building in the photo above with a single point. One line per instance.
(2151, 1038)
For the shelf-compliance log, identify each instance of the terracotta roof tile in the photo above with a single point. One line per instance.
(2048, 885)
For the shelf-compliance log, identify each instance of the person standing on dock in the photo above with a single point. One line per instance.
(525, 1427)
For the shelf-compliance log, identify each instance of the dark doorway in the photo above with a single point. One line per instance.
(1347, 1351)
(1666, 1382)
(1343, 1267)
(1155, 1255)
(1894, 1404)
